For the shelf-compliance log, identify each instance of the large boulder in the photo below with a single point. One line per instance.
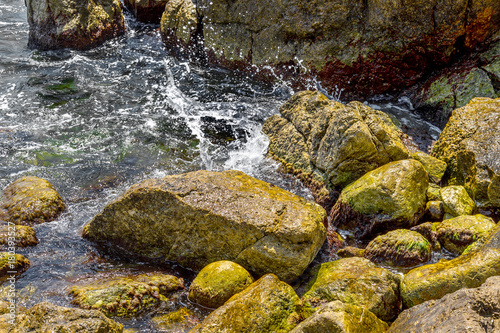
(201, 217)
(328, 144)
(77, 24)
(470, 145)
(267, 305)
(469, 270)
(464, 311)
(456, 201)
(390, 197)
(148, 11)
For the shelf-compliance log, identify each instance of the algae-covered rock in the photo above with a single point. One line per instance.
(340, 317)
(14, 235)
(435, 168)
(390, 197)
(148, 11)
(465, 310)
(350, 251)
(180, 320)
(8, 307)
(428, 230)
(357, 281)
(126, 296)
(458, 233)
(456, 201)
(267, 305)
(31, 200)
(433, 192)
(470, 145)
(400, 247)
(12, 264)
(46, 317)
(434, 210)
(74, 24)
(201, 217)
(469, 270)
(330, 144)
(218, 282)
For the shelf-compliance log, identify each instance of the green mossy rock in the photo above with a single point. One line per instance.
(338, 317)
(351, 251)
(435, 168)
(390, 197)
(31, 200)
(218, 282)
(458, 233)
(433, 193)
(267, 305)
(357, 281)
(76, 24)
(470, 145)
(21, 236)
(456, 201)
(201, 217)
(434, 210)
(12, 263)
(126, 297)
(177, 321)
(400, 247)
(46, 317)
(148, 11)
(469, 270)
(330, 144)
(428, 230)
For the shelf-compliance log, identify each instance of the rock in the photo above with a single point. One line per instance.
(433, 193)
(12, 264)
(218, 282)
(180, 320)
(458, 233)
(357, 281)
(399, 248)
(470, 145)
(428, 230)
(351, 251)
(329, 144)
(8, 307)
(31, 200)
(81, 25)
(434, 210)
(46, 317)
(435, 168)
(201, 217)
(469, 270)
(456, 201)
(148, 11)
(267, 305)
(390, 197)
(342, 318)
(13, 235)
(126, 296)
(466, 310)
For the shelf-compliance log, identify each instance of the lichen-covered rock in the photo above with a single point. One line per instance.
(340, 317)
(428, 230)
(435, 168)
(456, 201)
(180, 320)
(469, 270)
(466, 310)
(400, 247)
(74, 24)
(14, 235)
(148, 11)
(458, 233)
(12, 264)
(433, 192)
(46, 317)
(126, 296)
(357, 281)
(470, 145)
(434, 210)
(201, 217)
(350, 251)
(390, 197)
(218, 282)
(31, 200)
(267, 305)
(330, 144)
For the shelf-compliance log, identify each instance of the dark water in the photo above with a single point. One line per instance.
(93, 123)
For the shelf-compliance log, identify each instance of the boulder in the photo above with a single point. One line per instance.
(148, 11)
(356, 281)
(435, 168)
(14, 235)
(469, 270)
(473, 310)
(400, 247)
(458, 233)
(328, 144)
(201, 217)
(126, 297)
(390, 197)
(470, 145)
(456, 201)
(77, 24)
(267, 305)
(428, 230)
(12, 264)
(31, 200)
(176, 321)
(433, 192)
(218, 282)
(339, 317)
(350, 251)
(434, 210)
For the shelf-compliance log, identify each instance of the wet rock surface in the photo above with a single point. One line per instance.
(17, 236)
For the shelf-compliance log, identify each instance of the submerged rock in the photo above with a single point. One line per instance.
(267, 305)
(17, 236)
(390, 197)
(148, 11)
(12, 264)
(201, 217)
(218, 282)
(357, 281)
(180, 320)
(456, 201)
(76, 24)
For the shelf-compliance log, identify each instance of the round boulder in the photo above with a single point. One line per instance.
(456, 201)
